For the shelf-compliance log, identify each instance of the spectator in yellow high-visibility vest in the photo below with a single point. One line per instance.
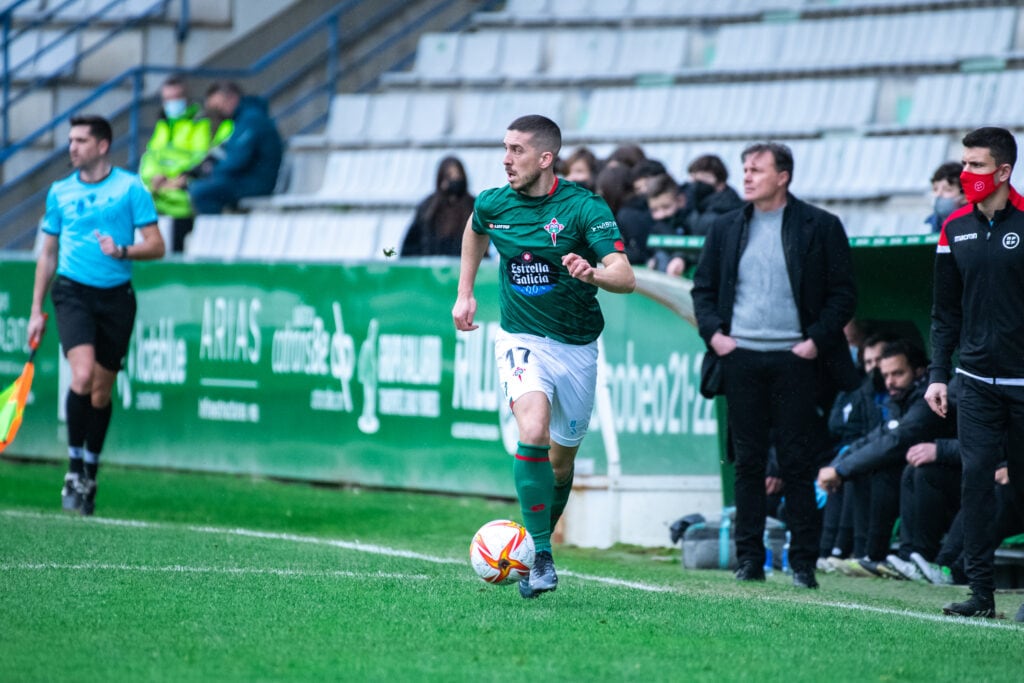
(182, 138)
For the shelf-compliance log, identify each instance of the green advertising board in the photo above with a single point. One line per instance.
(354, 373)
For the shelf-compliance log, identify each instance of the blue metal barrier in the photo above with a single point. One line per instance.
(157, 8)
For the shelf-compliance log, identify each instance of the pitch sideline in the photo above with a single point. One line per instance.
(407, 554)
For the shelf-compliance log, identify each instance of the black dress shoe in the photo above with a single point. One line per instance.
(749, 571)
(804, 578)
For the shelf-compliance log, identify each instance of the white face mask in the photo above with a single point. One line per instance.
(175, 108)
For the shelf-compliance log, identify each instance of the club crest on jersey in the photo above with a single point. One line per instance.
(1011, 240)
(553, 228)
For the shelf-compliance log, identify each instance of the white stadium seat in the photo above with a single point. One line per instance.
(215, 237)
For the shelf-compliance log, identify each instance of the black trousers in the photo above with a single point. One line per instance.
(929, 500)
(1009, 522)
(771, 397)
(990, 428)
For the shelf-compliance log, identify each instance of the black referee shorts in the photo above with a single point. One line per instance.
(100, 317)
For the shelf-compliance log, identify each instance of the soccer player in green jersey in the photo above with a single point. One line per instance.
(550, 234)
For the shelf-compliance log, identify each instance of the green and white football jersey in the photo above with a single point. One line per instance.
(531, 234)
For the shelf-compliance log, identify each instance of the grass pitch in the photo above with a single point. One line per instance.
(200, 577)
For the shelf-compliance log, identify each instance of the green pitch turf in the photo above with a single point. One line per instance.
(186, 577)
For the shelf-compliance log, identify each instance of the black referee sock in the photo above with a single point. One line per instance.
(96, 433)
(79, 412)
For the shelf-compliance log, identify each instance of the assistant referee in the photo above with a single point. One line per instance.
(89, 243)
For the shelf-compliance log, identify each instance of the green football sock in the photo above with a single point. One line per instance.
(560, 498)
(534, 484)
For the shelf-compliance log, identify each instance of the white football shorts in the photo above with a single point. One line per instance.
(565, 373)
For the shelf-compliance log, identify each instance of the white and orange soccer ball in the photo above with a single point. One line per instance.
(502, 552)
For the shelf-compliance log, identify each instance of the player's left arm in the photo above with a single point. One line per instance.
(616, 276)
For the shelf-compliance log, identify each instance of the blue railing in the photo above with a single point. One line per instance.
(70, 33)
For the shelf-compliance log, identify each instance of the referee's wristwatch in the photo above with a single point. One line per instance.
(122, 253)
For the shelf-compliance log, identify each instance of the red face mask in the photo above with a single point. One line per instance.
(977, 186)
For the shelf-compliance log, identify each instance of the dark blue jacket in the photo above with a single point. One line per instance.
(251, 157)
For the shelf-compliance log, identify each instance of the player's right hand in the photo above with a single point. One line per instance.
(937, 398)
(463, 313)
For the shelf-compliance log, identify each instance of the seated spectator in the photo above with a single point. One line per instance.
(181, 140)
(581, 167)
(854, 414)
(668, 207)
(643, 173)
(707, 193)
(614, 184)
(948, 566)
(878, 459)
(633, 217)
(929, 495)
(247, 164)
(947, 194)
(440, 219)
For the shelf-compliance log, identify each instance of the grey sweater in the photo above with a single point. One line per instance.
(765, 317)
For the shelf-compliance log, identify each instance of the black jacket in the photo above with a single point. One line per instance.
(855, 413)
(979, 293)
(908, 422)
(709, 208)
(820, 270)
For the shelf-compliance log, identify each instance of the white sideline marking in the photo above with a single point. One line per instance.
(182, 569)
(395, 552)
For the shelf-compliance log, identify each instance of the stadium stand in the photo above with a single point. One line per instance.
(871, 94)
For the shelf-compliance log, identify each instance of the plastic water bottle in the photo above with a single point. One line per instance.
(785, 555)
(769, 566)
(723, 540)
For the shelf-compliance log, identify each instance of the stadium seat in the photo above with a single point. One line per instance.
(436, 55)
(587, 10)
(627, 112)
(429, 117)
(266, 237)
(215, 237)
(386, 117)
(391, 233)
(1006, 109)
(582, 53)
(478, 56)
(347, 118)
(522, 55)
(332, 236)
(651, 51)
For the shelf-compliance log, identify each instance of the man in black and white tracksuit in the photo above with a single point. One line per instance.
(979, 307)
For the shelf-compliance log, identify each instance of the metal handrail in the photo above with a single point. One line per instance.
(157, 8)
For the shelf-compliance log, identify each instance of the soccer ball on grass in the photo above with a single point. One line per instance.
(502, 552)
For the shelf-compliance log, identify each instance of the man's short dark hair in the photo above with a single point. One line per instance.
(662, 184)
(950, 172)
(99, 127)
(648, 168)
(998, 141)
(224, 88)
(547, 136)
(782, 155)
(174, 81)
(915, 355)
(709, 163)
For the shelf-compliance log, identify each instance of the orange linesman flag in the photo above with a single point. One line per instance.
(12, 399)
